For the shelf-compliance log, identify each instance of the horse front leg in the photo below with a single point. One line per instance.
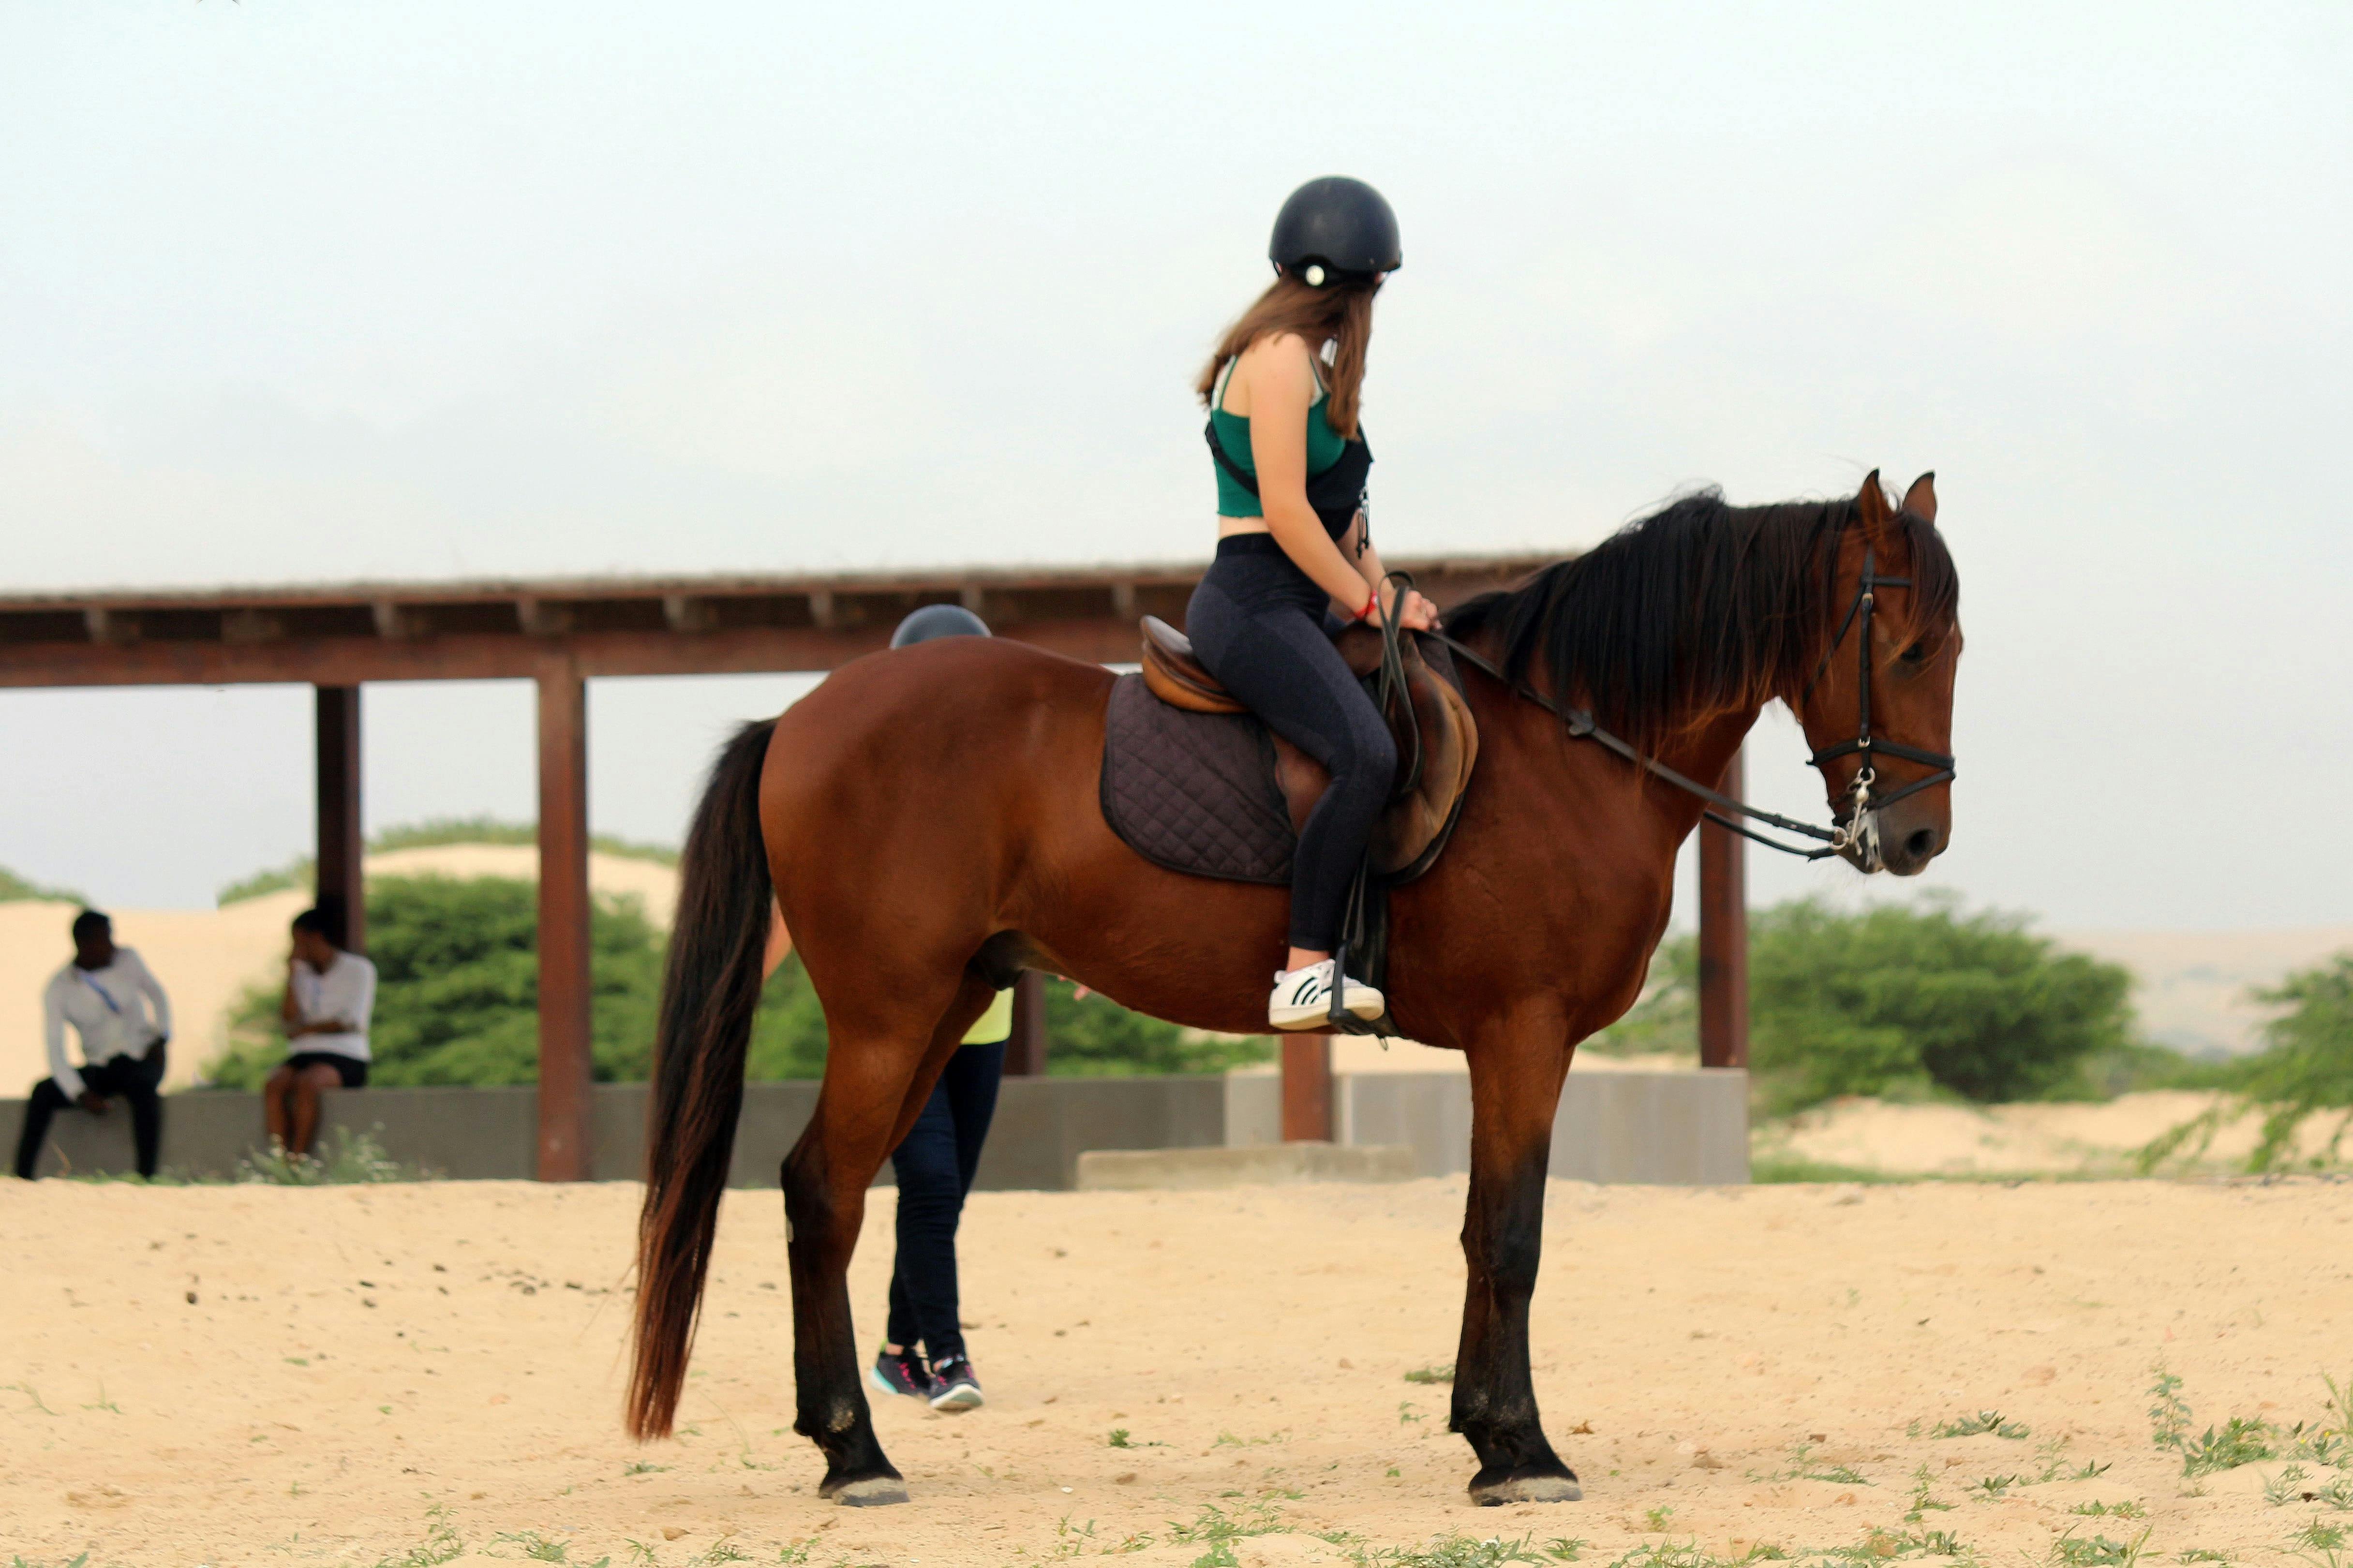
(1516, 1079)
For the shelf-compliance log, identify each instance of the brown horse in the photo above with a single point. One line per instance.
(927, 821)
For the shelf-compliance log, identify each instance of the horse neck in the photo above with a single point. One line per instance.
(1701, 753)
(1699, 749)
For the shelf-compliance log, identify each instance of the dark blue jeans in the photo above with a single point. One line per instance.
(935, 1166)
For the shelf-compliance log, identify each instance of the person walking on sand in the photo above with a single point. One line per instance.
(329, 994)
(118, 1008)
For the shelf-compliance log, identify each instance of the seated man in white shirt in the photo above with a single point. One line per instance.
(123, 1018)
(329, 996)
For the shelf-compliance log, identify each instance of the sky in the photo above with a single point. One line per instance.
(294, 294)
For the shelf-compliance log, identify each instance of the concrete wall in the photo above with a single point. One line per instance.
(1670, 1129)
(1680, 1128)
(1042, 1125)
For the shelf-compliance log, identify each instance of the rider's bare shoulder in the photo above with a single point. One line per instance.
(1279, 368)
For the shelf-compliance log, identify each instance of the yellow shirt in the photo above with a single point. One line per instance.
(995, 1024)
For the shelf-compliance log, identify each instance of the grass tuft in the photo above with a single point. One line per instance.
(441, 1544)
(350, 1158)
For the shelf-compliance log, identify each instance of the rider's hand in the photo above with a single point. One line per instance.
(93, 1102)
(1415, 614)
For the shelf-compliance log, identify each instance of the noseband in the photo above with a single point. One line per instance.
(1857, 828)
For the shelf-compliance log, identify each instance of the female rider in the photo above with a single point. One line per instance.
(1294, 557)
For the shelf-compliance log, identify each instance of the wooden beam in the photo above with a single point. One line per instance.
(350, 661)
(563, 980)
(1307, 1088)
(1724, 937)
(341, 883)
(344, 638)
(1025, 1053)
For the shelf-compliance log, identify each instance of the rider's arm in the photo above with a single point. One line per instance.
(1282, 389)
(1420, 615)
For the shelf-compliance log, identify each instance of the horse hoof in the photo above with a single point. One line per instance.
(1552, 1487)
(873, 1492)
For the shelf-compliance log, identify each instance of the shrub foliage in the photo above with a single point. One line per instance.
(2305, 1070)
(1896, 1000)
(457, 989)
(1089, 1036)
(458, 999)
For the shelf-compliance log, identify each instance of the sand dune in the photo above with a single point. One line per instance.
(2004, 1140)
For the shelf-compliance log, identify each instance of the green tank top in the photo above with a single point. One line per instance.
(1325, 445)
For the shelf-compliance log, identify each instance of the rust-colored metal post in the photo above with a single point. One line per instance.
(1724, 937)
(564, 988)
(1307, 1088)
(1025, 1052)
(339, 876)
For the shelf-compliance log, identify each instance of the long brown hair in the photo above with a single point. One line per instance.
(1341, 313)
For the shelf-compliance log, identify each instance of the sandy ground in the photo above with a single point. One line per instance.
(205, 957)
(2099, 1138)
(258, 1375)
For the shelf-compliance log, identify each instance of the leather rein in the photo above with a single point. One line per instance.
(1859, 829)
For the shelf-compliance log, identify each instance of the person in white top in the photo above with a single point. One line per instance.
(329, 996)
(115, 1004)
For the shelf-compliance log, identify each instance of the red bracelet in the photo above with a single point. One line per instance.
(1372, 603)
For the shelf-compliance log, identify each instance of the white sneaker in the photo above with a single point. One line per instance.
(1303, 998)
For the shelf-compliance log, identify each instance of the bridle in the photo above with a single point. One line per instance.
(1862, 826)
(1858, 830)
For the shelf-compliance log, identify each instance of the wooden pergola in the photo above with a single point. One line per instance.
(561, 633)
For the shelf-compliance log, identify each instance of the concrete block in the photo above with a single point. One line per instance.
(1255, 1109)
(1253, 1165)
(1669, 1129)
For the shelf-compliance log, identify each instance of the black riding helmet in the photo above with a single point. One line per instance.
(1335, 229)
(938, 621)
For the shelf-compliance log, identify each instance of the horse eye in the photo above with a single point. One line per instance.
(1915, 653)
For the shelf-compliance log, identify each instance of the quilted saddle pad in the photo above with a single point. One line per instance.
(1193, 791)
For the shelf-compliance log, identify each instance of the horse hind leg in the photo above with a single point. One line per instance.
(1494, 1406)
(875, 1083)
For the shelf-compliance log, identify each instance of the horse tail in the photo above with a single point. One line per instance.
(711, 988)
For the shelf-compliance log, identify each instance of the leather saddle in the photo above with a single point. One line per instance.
(1436, 740)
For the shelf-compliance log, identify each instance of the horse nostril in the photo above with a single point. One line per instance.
(1921, 844)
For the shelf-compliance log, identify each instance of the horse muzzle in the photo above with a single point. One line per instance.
(1896, 840)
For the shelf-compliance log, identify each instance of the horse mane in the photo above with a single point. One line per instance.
(1698, 609)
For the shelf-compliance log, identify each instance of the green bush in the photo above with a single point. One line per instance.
(1088, 1036)
(458, 999)
(1900, 1000)
(457, 989)
(14, 888)
(2304, 1070)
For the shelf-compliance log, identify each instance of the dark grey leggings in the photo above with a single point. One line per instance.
(1257, 621)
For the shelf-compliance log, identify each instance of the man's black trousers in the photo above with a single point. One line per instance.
(131, 1079)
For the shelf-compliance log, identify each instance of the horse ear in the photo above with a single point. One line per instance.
(1872, 504)
(1920, 500)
